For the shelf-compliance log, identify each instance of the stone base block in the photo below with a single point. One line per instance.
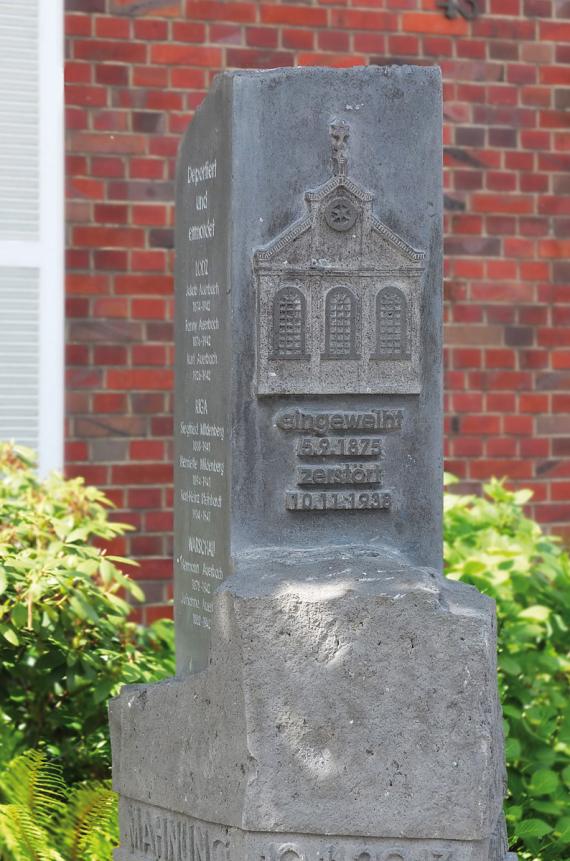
(349, 711)
(152, 833)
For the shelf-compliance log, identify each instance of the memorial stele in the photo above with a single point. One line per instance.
(336, 696)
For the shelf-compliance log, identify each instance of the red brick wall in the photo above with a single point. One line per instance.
(137, 69)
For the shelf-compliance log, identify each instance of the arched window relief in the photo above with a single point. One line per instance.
(340, 324)
(391, 324)
(289, 320)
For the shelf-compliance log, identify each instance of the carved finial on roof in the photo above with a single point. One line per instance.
(339, 132)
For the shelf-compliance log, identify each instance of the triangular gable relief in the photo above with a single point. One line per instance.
(276, 251)
(299, 244)
(333, 184)
(399, 244)
(380, 248)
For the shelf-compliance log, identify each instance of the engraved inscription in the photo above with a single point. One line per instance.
(322, 422)
(327, 501)
(340, 446)
(155, 834)
(337, 291)
(296, 852)
(345, 473)
(163, 836)
(324, 435)
(201, 480)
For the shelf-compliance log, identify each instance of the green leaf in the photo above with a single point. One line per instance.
(19, 615)
(521, 497)
(511, 711)
(49, 660)
(10, 635)
(473, 567)
(449, 479)
(536, 613)
(102, 690)
(532, 828)
(80, 534)
(63, 527)
(83, 608)
(3, 581)
(120, 604)
(107, 571)
(543, 782)
(136, 591)
(509, 665)
(78, 607)
(551, 808)
(564, 730)
(563, 829)
(514, 812)
(512, 749)
(122, 560)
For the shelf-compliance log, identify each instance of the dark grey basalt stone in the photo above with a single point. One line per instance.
(308, 297)
(336, 697)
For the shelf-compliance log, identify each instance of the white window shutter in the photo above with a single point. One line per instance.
(31, 226)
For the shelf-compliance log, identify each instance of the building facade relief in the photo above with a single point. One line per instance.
(320, 278)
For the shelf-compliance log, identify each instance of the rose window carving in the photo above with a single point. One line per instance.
(341, 214)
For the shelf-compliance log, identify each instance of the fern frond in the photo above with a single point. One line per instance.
(36, 784)
(90, 826)
(22, 838)
(42, 813)
(10, 739)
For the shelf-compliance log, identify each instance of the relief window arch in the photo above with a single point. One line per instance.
(341, 316)
(391, 324)
(289, 323)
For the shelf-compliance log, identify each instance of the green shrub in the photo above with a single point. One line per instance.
(66, 645)
(492, 545)
(39, 812)
(66, 642)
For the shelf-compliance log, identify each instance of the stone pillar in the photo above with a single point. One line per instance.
(336, 697)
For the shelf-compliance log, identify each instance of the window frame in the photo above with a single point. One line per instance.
(46, 253)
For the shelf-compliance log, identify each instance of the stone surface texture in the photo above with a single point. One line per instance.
(346, 695)
(272, 138)
(336, 697)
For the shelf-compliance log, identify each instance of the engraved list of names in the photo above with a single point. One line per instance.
(201, 427)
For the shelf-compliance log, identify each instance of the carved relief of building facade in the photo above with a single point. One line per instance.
(338, 297)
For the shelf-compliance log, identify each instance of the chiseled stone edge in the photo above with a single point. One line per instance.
(150, 833)
(160, 733)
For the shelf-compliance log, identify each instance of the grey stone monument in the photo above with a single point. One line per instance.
(336, 697)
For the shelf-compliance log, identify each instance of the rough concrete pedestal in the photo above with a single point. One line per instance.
(349, 712)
